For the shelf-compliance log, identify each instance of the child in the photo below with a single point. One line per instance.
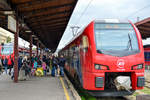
(44, 67)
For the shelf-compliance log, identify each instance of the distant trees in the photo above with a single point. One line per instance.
(8, 39)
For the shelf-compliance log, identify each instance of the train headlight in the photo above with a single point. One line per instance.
(137, 67)
(101, 67)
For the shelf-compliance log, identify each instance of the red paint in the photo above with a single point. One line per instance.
(116, 64)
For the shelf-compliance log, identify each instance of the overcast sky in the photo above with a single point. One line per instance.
(105, 9)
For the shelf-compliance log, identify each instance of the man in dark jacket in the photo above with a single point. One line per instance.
(54, 65)
(5, 64)
(1, 65)
(62, 64)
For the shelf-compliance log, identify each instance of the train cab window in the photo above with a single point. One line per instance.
(112, 38)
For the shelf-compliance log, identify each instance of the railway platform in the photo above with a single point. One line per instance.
(35, 88)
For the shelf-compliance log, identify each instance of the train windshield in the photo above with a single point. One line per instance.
(6, 50)
(113, 38)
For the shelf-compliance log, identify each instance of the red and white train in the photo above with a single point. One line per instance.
(7, 50)
(106, 51)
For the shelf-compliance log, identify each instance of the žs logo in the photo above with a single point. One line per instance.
(120, 63)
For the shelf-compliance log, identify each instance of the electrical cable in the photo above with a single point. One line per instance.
(138, 11)
(84, 11)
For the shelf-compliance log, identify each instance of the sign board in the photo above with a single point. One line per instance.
(11, 23)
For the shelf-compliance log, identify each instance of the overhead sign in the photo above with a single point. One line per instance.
(11, 23)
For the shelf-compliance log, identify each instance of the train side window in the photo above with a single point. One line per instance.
(85, 43)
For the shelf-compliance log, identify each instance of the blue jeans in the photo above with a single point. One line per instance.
(44, 72)
(61, 71)
(5, 69)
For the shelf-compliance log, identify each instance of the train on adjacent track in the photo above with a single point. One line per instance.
(147, 55)
(104, 52)
(7, 50)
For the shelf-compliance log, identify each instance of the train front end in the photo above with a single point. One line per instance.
(117, 59)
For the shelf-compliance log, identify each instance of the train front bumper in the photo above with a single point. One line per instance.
(97, 81)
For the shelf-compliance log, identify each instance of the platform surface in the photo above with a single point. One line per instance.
(36, 88)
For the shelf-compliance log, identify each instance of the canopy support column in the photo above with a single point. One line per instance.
(16, 34)
(31, 40)
(37, 47)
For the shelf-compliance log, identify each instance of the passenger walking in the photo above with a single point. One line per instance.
(10, 64)
(1, 65)
(54, 65)
(62, 64)
(19, 63)
(22, 73)
(35, 64)
(50, 63)
(44, 68)
(5, 64)
(19, 66)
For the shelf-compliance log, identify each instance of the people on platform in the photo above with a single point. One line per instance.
(61, 65)
(5, 64)
(54, 65)
(1, 66)
(44, 68)
(10, 64)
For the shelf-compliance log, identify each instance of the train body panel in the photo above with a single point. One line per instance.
(98, 59)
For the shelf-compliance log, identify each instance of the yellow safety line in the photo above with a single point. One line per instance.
(65, 90)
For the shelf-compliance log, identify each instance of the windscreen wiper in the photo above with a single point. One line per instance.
(99, 51)
(129, 45)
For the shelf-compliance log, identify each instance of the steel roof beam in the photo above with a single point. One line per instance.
(46, 9)
(31, 2)
(144, 28)
(49, 19)
(49, 28)
(49, 23)
(48, 15)
(51, 11)
(46, 6)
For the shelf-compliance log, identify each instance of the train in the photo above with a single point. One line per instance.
(147, 56)
(106, 58)
(7, 50)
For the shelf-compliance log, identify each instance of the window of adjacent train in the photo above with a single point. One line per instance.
(7, 50)
(112, 37)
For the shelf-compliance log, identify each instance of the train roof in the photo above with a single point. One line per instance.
(110, 21)
(75, 37)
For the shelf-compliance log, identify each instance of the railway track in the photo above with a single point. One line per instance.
(131, 97)
(147, 84)
(112, 98)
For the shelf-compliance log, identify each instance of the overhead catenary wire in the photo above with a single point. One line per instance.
(147, 6)
(84, 11)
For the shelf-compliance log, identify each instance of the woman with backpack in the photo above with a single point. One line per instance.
(10, 64)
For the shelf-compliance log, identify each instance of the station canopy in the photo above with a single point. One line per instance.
(46, 19)
(144, 27)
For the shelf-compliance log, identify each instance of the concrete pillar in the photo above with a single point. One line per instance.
(31, 40)
(16, 34)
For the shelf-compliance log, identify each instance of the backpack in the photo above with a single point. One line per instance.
(9, 62)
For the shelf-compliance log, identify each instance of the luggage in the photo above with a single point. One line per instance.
(53, 71)
(39, 71)
(22, 76)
